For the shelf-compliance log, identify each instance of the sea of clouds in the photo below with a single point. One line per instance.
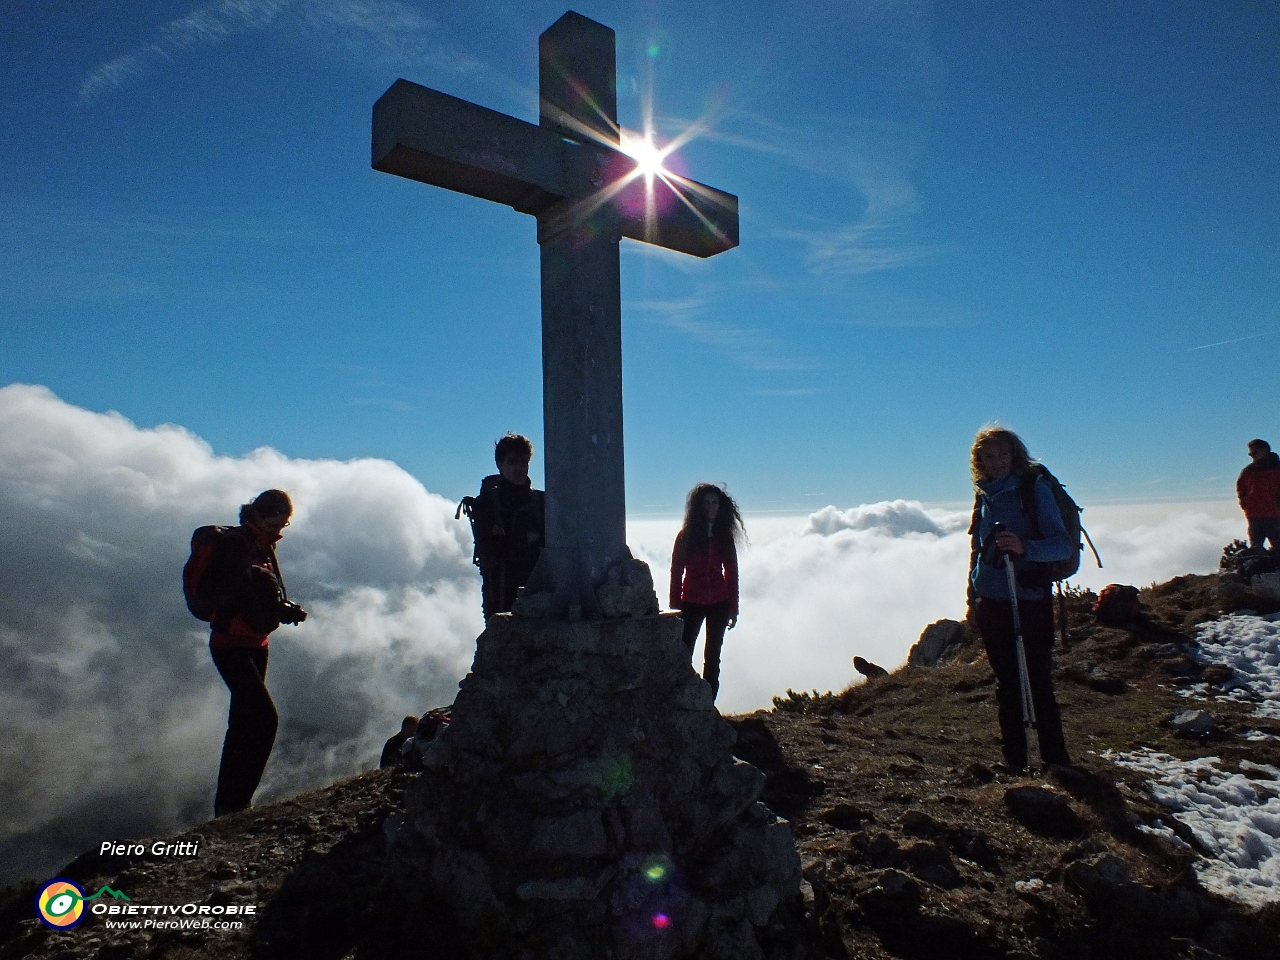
(112, 716)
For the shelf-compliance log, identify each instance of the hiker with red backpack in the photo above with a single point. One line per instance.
(233, 581)
(1017, 534)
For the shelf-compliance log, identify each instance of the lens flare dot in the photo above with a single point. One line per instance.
(655, 872)
(661, 921)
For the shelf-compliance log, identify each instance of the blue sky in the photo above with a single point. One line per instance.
(1059, 217)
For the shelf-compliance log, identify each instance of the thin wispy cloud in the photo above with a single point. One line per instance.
(1223, 343)
(205, 26)
(378, 32)
(745, 346)
(860, 248)
(870, 158)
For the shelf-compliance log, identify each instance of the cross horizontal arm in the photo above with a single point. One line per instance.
(682, 215)
(429, 136)
(426, 135)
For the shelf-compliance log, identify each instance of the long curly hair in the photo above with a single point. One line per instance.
(995, 434)
(727, 529)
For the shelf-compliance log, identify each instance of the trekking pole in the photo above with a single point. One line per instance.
(1062, 616)
(1024, 679)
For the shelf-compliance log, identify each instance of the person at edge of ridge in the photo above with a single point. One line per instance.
(704, 573)
(1000, 465)
(1258, 490)
(391, 749)
(508, 521)
(252, 603)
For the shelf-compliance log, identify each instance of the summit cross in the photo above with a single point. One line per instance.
(570, 172)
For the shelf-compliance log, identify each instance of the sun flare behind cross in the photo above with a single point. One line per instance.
(647, 155)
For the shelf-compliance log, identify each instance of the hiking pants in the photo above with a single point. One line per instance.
(995, 623)
(1262, 529)
(717, 617)
(251, 727)
(500, 584)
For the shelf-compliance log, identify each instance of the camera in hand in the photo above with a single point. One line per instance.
(290, 612)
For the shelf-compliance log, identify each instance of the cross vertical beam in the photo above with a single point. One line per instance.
(569, 172)
(581, 331)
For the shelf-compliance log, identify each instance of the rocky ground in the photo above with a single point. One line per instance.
(914, 844)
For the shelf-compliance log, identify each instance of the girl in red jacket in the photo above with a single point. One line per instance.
(704, 572)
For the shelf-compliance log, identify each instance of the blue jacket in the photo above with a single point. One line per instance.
(1001, 502)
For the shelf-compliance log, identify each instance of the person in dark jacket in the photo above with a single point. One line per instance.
(251, 603)
(704, 573)
(1001, 469)
(508, 518)
(391, 752)
(1258, 490)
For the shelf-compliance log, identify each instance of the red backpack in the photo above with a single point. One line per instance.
(1117, 604)
(195, 587)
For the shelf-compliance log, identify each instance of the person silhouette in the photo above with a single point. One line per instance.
(704, 572)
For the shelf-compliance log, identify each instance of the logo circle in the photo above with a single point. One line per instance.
(60, 904)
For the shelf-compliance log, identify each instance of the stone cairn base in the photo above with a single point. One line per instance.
(584, 805)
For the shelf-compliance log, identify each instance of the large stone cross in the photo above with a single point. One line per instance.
(570, 173)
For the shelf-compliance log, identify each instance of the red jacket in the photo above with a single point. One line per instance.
(1258, 488)
(704, 578)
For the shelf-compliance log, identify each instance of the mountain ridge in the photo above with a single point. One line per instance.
(913, 843)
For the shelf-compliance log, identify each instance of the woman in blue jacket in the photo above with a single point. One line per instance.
(1011, 493)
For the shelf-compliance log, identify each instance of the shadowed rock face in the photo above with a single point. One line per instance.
(585, 802)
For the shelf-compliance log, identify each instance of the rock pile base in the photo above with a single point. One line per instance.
(584, 804)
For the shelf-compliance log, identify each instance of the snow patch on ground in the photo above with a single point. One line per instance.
(1250, 645)
(1234, 816)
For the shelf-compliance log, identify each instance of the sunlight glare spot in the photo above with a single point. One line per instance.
(648, 157)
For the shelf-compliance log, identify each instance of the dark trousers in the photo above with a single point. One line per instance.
(500, 582)
(717, 617)
(995, 623)
(251, 727)
(1262, 529)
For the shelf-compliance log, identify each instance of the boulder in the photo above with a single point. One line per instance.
(939, 642)
(1042, 810)
(1193, 723)
(1266, 585)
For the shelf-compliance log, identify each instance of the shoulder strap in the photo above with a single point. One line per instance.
(1027, 494)
(271, 549)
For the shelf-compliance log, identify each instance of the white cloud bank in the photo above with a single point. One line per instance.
(817, 590)
(111, 714)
